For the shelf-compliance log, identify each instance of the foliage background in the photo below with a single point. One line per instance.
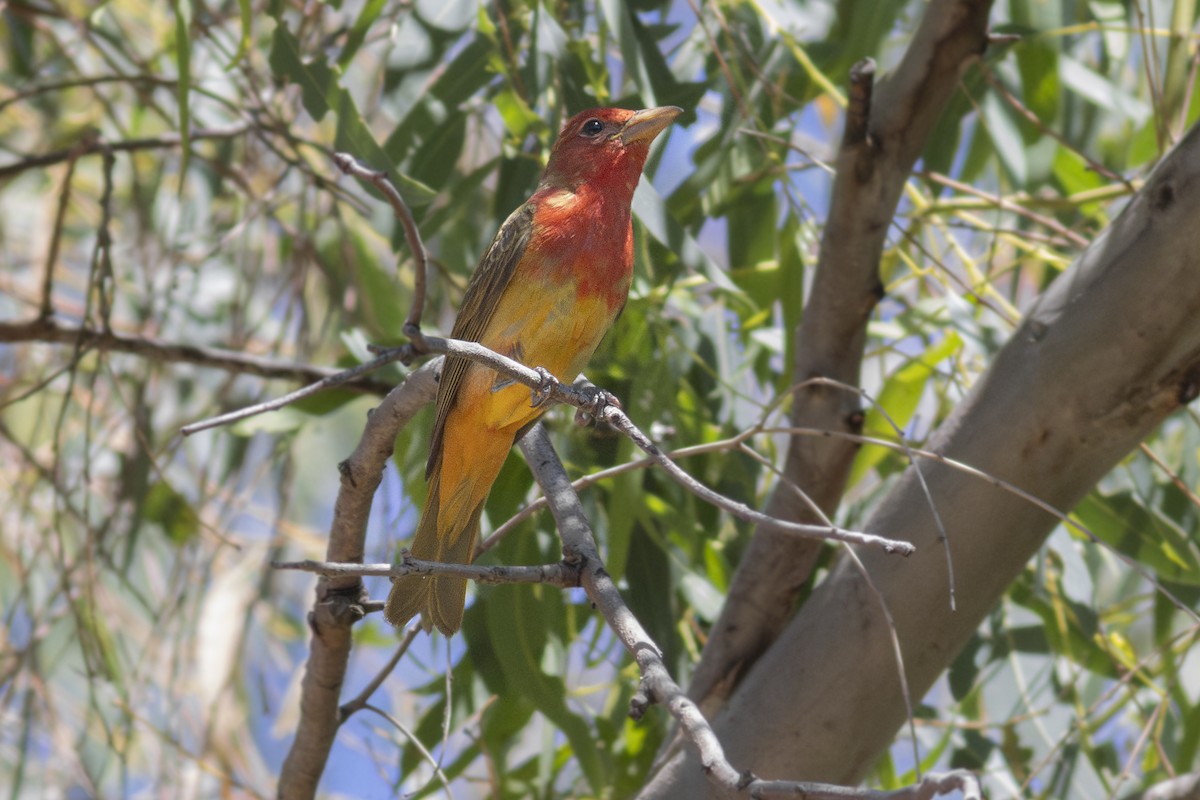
(146, 645)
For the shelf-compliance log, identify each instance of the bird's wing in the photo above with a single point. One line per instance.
(488, 282)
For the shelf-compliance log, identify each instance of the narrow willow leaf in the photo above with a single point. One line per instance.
(183, 66)
(247, 19)
(358, 32)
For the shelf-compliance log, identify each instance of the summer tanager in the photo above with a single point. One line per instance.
(550, 285)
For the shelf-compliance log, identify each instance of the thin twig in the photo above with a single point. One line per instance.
(50, 331)
(931, 786)
(425, 754)
(360, 701)
(336, 379)
(937, 517)
(379, 179)
(1044, 129)
(617, 418)
(1006, 204)
(1000, 483)
(593, 478)
(90, 146)
(74, 83)
(64, 200)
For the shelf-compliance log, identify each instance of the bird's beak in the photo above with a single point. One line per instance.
(648, 123)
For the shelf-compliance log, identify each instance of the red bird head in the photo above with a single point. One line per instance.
(606, 147)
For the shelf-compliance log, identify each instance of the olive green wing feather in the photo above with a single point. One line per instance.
(490, 279)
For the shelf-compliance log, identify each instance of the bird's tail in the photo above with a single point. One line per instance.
(438, 599)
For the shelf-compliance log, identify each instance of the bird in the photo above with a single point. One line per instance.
(548, 288)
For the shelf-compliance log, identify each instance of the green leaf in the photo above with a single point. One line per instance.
(648, 575)
(518, 117)
(1006, 137)
(465, 75)
(358, 32)
(97, 640)
(244, 41)
(435, 160)
(652, 213)
(1037, 61)
(1103, 92)
(899, 398)
(518, 639)
(1144, 534)
(183, 66)
(702, 596)
(752, 219)
(20, 41)
(450, 16)
(172, 511)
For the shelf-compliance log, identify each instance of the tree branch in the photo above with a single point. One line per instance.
(379, 179)
(1184, 787)
(47, 330)
(96, 144)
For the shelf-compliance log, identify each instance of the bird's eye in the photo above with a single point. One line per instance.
(592, 127)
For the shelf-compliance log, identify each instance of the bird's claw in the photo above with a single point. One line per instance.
(545, 388)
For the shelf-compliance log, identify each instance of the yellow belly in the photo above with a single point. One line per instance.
(554, 329)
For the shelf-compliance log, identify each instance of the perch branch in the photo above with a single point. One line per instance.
(600, 405)
(656, 684)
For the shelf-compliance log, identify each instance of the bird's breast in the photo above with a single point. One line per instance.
(584, 239)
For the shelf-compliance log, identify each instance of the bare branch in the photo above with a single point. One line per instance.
(1184, 787)
(64, 199)
(94, 145)
(614, 416)
(425, 754)
(362, 699)
(931, 786)
(342, 378)
(50, 331)
(379, 179)
(590, 479)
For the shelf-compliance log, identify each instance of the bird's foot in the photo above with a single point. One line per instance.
(545, 388)
(596, 400)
